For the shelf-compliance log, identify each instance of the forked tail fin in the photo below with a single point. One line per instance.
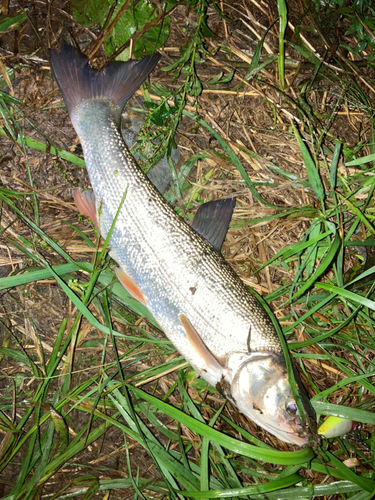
(78, 81)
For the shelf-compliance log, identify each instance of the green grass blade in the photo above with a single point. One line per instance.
(363, 483)
(262, 488)
(353, 297)
(35, 228)
(234, 159)
(311, 168)
(290, 250)
(283, 21)
(254, 66)
(334, 164)
(266, 455)
(41, 146)
(321, 269)
(347, 412)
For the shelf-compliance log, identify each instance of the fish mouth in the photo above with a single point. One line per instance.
(293, 433)
(298, 437)
(297, 440)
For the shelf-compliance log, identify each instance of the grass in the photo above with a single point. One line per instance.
(107, 385)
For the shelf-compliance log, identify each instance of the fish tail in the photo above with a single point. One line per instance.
(78, 81)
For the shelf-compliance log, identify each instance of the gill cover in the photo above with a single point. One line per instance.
(261, 391)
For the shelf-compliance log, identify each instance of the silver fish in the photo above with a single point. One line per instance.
(199, 302)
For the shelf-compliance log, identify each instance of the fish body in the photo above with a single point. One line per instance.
(199, 302)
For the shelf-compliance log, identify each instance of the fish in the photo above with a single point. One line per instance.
(175, 269)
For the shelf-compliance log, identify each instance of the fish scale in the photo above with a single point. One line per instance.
(172, 251)
(194, 295)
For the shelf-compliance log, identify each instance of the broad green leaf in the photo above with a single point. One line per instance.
(90, 12)
(135, 18)
(12, 23)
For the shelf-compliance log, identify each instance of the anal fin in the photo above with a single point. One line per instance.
(85, 202)
(130, 286)
(198, 345)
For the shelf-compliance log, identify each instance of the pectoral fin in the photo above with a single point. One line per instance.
(212, 220)
(85, 202)
(198, 345)
(130, 286)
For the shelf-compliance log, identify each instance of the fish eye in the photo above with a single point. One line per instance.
(291, 408)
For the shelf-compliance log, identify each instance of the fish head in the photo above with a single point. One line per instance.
(261, 390)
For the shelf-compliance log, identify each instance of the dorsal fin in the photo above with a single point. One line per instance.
(212, 220)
